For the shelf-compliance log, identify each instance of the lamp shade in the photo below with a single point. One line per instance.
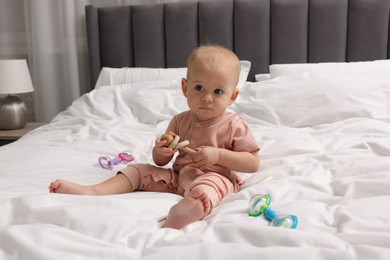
(15, 77)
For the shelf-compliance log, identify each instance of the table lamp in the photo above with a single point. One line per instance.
(14, 78)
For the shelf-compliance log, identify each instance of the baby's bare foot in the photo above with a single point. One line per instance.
(190, 209)
(66, 187)
(202, 196)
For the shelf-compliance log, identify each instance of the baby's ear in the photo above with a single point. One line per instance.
(234, 95)
(184, 86)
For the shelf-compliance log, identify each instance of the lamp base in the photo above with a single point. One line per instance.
(13, 113)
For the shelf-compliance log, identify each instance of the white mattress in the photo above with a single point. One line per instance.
(332, 171)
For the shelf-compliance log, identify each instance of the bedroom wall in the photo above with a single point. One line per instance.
(51, 35)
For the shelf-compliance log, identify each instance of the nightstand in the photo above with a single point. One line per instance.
(9, 136)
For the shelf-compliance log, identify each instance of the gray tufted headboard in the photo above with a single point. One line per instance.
(262, 31)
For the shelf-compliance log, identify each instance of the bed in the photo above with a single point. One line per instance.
(314, 88)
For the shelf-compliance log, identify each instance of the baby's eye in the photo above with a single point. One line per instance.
(218, 91)
(199, 88)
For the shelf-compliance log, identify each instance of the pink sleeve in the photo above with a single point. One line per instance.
(243, 139)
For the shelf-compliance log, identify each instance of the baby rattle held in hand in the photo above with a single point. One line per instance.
(173, 142)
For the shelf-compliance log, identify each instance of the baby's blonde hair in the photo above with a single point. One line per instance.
(213, 55)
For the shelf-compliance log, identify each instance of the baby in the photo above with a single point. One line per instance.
(223, 142)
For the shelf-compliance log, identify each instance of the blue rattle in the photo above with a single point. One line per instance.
(259, 204)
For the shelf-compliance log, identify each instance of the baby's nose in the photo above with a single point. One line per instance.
(207, 97)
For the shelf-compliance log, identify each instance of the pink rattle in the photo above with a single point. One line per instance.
(124, 157)
(173, 143)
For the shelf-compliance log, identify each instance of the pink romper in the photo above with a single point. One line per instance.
(229, 131)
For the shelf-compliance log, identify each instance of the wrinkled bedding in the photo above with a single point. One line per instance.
(331, 169)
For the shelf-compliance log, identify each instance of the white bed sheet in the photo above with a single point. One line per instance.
(334, 177)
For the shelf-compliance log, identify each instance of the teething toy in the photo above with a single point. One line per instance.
(173, 143)
(124, 157)
(259, 204)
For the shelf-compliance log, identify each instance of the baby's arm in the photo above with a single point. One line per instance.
(239, 161)
(236, 161)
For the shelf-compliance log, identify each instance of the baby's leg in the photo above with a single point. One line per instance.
(66, 187)
(115, 185)
(193, 207)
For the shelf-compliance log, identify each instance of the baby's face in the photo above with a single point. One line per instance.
(210, 90)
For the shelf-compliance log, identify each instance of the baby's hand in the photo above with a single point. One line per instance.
(205, 156)
(160, 146)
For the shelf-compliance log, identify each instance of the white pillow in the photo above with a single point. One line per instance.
(262, 76)
(245, 68)
(378, 67)
(152, 102)
(307, 100)
(147, 102)
(118, 76)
